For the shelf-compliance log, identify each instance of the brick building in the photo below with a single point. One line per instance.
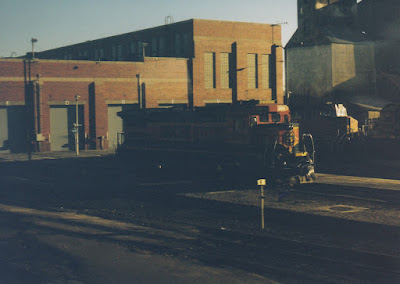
(190, 63)
(38, 97)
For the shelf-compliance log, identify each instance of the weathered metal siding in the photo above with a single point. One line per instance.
(309, 70)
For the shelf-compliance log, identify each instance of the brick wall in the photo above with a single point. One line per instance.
(96, 83)
(239, 39)
(205, 36)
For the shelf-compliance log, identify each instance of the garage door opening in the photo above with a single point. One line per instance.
(62, 119)
(13, 136)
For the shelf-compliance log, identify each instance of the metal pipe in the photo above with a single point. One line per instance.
(33, 40)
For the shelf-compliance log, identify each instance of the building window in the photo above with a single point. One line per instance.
(186, 43)
(252, 71)
(134, 47)
(98, 53)
(209, 70)
(161, 46)
(140, 48)
(114, 52)
(178, 50)
(119, 52)
(266, 82)
(225, 70)
(82, 55)
(154, 47)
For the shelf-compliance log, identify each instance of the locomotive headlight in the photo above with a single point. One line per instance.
(289, 138)
(253, 121)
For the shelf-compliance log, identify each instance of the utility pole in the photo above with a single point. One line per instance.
(76, 125)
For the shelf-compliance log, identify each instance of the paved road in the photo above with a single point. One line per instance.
(89, 221)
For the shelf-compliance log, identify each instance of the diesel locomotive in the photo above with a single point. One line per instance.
(241, 140)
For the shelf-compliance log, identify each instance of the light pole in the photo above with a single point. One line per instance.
(33, 40)
(76, 125)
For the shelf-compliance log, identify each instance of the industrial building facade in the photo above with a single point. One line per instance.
(37, 97)
(345, 51)
(191, 63)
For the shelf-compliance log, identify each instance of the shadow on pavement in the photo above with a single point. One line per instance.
(98, 199)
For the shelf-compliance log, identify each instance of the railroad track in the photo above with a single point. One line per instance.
(376, 183)
(315, 262)
(383, 191)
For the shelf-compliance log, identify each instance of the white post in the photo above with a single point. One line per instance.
(76, 126)
(262, 207)
(262, 183)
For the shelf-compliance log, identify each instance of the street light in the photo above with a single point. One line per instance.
(76, 126)
(33, 40)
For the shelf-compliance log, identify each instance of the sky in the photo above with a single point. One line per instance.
(56, 23)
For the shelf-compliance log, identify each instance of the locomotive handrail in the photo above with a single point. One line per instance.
(313, 146)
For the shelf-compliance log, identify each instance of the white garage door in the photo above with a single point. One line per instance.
(4, 143)
(115, 125)
(59, 128)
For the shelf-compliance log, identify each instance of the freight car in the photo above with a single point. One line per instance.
(240, 140)
(334, 131)
(387, 126)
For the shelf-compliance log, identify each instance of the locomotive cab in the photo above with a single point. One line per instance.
(288, 157)
(292, 156)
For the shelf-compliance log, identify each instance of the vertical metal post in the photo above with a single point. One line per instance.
(262, 207)
(139, 87)
(33, 50)
(144, 45)
(76, 126)
(262, 183)
(33, 40)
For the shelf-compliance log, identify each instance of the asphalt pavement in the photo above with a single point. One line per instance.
(87, 219)
(20, 157)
